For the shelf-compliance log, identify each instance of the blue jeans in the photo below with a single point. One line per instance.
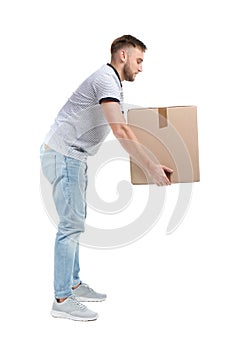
(68, 178)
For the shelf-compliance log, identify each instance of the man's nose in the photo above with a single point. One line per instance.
(140, 68)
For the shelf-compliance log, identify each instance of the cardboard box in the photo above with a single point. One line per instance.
(171, 134)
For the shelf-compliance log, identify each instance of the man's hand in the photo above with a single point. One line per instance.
(159, 174)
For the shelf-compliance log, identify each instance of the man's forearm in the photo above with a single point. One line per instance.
(130, 143)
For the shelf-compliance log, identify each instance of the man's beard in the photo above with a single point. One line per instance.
(129, 75)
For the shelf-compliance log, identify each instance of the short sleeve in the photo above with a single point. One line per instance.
(107, 88)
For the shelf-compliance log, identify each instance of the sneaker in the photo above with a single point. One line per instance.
(85, 293)
(72, 309)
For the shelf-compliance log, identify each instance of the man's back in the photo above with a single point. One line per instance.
(80, 126)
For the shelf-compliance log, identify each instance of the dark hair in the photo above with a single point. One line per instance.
(126, 41)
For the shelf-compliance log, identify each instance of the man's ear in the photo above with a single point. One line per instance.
(123, 55)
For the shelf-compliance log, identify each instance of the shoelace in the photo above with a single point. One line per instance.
(89, 288)
(73, 300)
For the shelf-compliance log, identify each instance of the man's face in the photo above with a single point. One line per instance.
(133, 64)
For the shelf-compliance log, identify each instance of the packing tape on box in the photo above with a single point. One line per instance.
(162, 117)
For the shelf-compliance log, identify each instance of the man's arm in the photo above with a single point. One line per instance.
(129, 141)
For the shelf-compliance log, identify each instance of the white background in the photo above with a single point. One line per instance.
(164, 292)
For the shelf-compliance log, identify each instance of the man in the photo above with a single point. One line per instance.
(78, 131)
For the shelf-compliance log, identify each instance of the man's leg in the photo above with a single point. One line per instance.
(65, 175)
(69, 196)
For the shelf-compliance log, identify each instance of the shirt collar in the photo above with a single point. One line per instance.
(118, 76)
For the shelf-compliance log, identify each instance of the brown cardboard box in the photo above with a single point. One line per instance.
(171, 134)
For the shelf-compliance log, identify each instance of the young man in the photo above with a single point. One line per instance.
(78, 131)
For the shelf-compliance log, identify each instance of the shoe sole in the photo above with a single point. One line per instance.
(59, 314)
(83, 299)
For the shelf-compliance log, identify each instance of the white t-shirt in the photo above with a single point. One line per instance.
(81, 127)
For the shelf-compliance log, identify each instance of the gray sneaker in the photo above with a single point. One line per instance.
(85, 293)
(72, 309)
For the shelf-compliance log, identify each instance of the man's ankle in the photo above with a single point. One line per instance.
(60, 300)
(76, 286)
